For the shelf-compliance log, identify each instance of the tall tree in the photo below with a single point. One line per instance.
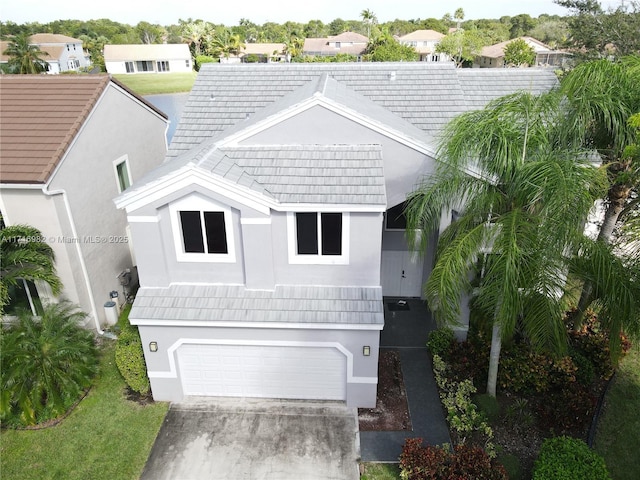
(462, 45)
(603, 99)
(25, 58)
(522, 199)
(519, 53)
(385, 48)
(24, 255)
(596, 33)
(369, 19)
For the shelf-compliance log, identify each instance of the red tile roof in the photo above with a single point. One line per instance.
(40, 115)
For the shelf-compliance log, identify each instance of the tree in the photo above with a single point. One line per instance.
(521, 25)
(25, 58)
(195, 33)
(149, 33)
(595, 33)
(385, 48)
(462, 45)
(522, 197)
(224, 43)
(518, 53)
(369, 19)
(603, 99)
(24, 255)
(459, 16)
(46, 362)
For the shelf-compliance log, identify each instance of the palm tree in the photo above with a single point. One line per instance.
(24, 255)
(603, 97)
(46, 362)
(224, 43)
(522, 198)
(25, 58)
(368, 18)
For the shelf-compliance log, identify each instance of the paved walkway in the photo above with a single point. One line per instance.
(407, 332)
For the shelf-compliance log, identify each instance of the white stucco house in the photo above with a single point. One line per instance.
(492, 56)
(68, 145)
(62, 53)
(269, 238)
(148, 58)
(425, 43)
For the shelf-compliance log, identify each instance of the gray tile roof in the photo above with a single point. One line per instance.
(425, 94)
(286, 304)
(328, 174)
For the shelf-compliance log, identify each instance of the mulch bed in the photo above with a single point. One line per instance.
(392, 409)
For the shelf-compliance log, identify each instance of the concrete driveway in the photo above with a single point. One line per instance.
(255, 439)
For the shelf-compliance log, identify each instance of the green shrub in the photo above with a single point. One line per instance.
(46, 362)
(440, 341)
(130, 361)
(200, 59)
(130, 355)
(418, 462)
(487, 405)
(585, 373)
(566, 458)
(512, 465)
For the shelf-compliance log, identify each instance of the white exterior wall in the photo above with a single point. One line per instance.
(47, 214)
(118, 127)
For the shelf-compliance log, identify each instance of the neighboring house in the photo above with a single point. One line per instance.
(148, 58)
(62, 53)
(258, 53)
(425, 42)
(493, 55)
(269, 238)
(349, 43)
(68, 145)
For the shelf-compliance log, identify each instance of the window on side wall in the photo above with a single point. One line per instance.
(318, 237)
(202, 230)
(123, 177)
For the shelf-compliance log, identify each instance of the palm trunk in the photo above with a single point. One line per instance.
(617, 195)
(494, 358)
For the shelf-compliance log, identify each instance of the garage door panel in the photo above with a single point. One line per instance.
(263, 371)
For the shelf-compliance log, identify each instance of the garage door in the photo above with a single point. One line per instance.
(263, 371)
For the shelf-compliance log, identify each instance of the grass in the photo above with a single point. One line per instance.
(380, 471)
(618, 435)
(105, 437)
(156, 83)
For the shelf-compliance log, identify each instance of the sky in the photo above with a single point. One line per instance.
(260, 11)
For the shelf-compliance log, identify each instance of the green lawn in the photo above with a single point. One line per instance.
(155, 83)
(618, 435)
(380, 471)
(105, 437)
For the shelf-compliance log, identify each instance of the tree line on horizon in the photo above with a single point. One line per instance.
(587, 29)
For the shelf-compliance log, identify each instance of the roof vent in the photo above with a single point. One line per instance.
(392, 76)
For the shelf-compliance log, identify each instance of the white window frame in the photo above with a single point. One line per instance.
(196, 202)
(317, 259)
(124, 159)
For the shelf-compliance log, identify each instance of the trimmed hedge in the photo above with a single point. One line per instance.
(566, 458)
(439, 342)
(130, 356)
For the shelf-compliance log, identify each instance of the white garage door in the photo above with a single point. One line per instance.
(263, 371)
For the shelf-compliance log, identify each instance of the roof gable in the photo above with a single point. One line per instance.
(40, 116)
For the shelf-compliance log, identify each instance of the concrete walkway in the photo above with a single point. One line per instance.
(255, 439)
(407, 331)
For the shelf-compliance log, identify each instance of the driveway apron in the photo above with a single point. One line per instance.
(255, 439)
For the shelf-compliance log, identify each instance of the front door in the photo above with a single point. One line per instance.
(401, 273)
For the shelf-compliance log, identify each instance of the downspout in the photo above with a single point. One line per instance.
(83, 265)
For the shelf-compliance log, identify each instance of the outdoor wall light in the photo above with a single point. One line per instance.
(366, 350)
(153, 346)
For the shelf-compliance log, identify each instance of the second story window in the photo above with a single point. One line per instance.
(202, 230)
(318, 237)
